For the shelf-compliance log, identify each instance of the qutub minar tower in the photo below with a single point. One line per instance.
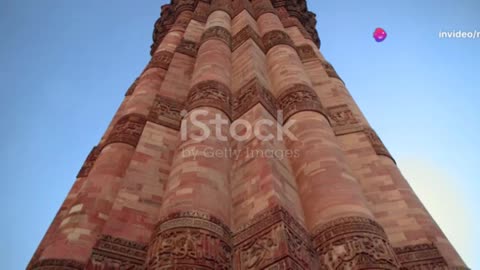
(337, 202)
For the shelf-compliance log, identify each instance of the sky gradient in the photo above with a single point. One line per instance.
(65, 66)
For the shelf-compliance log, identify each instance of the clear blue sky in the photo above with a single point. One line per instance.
(65, 66)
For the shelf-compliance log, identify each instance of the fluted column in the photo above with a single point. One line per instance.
(194, 228)
(345, 232)
(79, 230)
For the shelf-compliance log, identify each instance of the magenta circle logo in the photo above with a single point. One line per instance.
(379, 35)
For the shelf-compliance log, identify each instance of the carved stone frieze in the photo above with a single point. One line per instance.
(306, 53)
(343, 120)
(331, 71)
(353, 243)
(183, 5)
(299, 10)
(210, 94)
(116, 253)
(247, 33)
(190, 240)
(377, 143)
(250, 95)
(271, 240)
(166, 112)
(276, 37)
(421, 257)
(89, 162)
(57, 264)
(201, 13)
(128, 130)
(162, 26)
(299, 98)
(187, 47)
(160, 60)
(218, 33)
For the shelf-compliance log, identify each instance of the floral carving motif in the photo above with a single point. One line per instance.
(246, 33)
(331, 71)
(210, 94)
(276, 37)
(377, 143)
(57, 264)
(161, 60)
(116, 253)
(273, 239)
(306, 53)
(166, 112)
(190, 239)
(297, 99)
(89, 162)
(343, 120)
(218, 33)
(187, 47)
(354, 243)
(127, 130)
(421, 257)
(250, 95)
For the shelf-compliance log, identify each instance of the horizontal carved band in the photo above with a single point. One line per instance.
(331, 71)
(89, 162)
(299, 98)
(210, 94)
(298, 9)
(117, 253)
(306, 53)
(423, 256)
(184, 5)
(218, 33)
(187, 47)
(377, 143)
(58, 264)
(160, 60)
(189, 239)
(271, 237)
(276, 37)
(223, 5)
(166, 112)
(250, 95)
(247, 33)
(354, 243)
(127, 130)
(343, 120)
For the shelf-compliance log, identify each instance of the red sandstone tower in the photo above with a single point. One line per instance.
(151, 195)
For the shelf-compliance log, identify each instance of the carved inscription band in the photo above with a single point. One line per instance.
(128, 130)
(276, 37)
(210, 94)
(117, 253)
(190, 240)
(89, 162)
(273, 240)
(218, 33)
(423, 256)
(299, 98)
(354, 243)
